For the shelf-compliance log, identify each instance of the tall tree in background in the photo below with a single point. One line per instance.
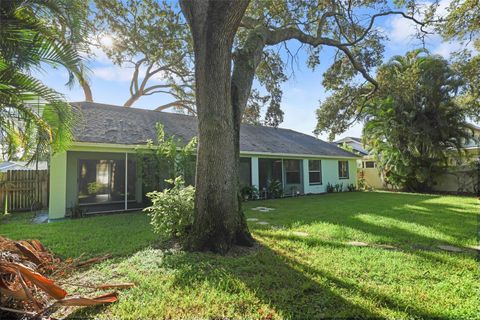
(251, 36)
(27, 42)
(152, 39)
(462, 23)
(413, 124)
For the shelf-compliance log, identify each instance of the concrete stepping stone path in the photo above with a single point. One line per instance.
(263, 223)
(263, 209)
(450, 248)
(300, 233)
(357, 244)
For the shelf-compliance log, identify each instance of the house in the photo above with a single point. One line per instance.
(463, 176)
(99, 172)
(355, 143)
(367, 166)
(460, 176)
(23, 165)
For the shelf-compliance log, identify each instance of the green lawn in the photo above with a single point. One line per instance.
(290, 275)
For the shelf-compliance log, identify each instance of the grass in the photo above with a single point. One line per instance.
(289, 275)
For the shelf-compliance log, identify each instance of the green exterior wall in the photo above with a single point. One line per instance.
(58, 186)
(329, 175)
(64, 174)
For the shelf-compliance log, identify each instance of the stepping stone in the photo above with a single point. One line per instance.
(252, 219)
(385, 246)
(262, 209)
(300, 233)
(450, 248)
(263, 223)
(477, 248)
(357, 244)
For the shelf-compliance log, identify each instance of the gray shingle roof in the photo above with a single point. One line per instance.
(102, 123)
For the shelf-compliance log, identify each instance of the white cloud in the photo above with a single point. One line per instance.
(112, 73)
(401, 30)
(445, 49)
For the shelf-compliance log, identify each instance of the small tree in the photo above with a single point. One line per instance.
(172, 209)
(166, 159)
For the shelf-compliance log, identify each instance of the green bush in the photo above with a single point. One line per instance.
(338, 187)
(275, 189)
(249, 192)
(330, 188)
(351, 187)
(172, 209)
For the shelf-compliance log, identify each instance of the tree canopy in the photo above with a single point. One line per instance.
(33, 117)
(152, 39)
(414, 124)
(462, 23)
(236, 42)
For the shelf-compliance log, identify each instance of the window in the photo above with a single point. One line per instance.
(245, 171)
(369, 164)
(315, 171)
(343, 169)
(292, 171)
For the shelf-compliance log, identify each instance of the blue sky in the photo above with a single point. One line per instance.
(302, 92)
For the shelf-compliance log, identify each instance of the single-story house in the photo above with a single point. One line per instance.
(99, 171)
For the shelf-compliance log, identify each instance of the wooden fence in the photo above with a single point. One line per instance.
(23, 190)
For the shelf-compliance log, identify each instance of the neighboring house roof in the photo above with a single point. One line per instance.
(355, 143)
(103, 123)
(474, 142)
(22, 165)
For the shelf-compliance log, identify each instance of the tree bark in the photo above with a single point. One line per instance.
(131, 100)
(87, 91)
(219, 222)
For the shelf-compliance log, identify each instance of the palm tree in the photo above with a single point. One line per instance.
(415, 123)
(28, 42)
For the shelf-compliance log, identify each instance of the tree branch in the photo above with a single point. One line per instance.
(185, 104)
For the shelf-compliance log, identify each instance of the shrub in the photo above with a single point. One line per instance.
(338, 187)
(249, 193)
(351, 187)
(330, 188)
(172, 209)
(362, 184)
(275, 189)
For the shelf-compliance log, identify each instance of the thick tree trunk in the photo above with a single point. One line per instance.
(219, 222)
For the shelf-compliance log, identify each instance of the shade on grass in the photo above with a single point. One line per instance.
(290, 275)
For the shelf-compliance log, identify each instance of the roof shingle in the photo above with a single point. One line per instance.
(103, 123)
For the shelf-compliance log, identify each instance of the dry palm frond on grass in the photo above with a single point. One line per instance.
(25, 286)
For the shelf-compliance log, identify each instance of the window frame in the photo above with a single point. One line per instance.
(365, 166)
(340, 177)
(289, 171)
(319, 183)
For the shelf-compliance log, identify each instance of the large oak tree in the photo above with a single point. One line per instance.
(235, 41)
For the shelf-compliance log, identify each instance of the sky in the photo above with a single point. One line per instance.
(301, 93)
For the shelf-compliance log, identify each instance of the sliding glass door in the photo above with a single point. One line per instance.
(103, 181)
